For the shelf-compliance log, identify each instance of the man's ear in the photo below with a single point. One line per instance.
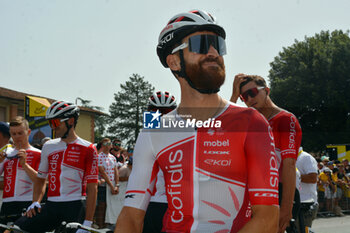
(267, 90)
(173, 62)
(71, 121)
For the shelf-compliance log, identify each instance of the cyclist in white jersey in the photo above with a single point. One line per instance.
(219, 170)
(20, 170)
(4, 144)
(164, 102)
(70, 164)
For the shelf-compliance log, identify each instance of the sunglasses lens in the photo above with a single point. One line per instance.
(251, 92)
(201, 44)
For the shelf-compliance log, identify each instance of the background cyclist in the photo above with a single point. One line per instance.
(69, 163)
(153, 223)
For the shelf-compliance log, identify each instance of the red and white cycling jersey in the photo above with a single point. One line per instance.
(68, 167)
(211, 174)
(17, 184)
(287, 134)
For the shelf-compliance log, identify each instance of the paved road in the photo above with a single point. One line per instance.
(332, 225)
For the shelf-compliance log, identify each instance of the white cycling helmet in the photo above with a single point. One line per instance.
(62, 109)
(180, 26)
(161, 99)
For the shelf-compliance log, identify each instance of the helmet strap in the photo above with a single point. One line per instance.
(182, 73)
(67, 132)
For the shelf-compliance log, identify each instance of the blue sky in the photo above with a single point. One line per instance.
(87, 48)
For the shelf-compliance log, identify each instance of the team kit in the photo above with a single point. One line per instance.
(226, 169)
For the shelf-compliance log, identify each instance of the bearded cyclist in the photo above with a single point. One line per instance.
(69, 163)
(217, 158)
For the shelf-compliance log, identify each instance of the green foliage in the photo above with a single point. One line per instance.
(126, 113)
(311, 78)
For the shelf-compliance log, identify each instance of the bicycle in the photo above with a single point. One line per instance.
(75, 225)
(61, 229)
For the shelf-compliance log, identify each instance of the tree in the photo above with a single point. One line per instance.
(126, 113)
(101, 121)
(311, 78)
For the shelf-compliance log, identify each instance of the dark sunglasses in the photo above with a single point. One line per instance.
(107, 143)
(251, 92)
(54, 123)
(201, 44)
(116, 144)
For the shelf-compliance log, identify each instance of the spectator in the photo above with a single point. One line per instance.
(116, 145)
(338, 192)
(346, 166)
(307, 167)
(345, 180)
(327, 185)
(108, 171)
(115, 202)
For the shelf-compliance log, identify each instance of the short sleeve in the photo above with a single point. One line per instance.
(91, 164)
(261, 163)
(290, 136)
(43, 169)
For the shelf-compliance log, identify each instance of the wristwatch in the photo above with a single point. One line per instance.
(117, 185)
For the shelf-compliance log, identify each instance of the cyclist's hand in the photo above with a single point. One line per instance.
(22, 154)
(86, 223)
(82, 231)
(239, 78)
(31, 211)
(2, 156)
(284, 220)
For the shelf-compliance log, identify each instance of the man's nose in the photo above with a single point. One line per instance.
(212, 52)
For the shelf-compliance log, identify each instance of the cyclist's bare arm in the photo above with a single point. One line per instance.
(38, 193)
(91, 195)
(130, 220)
(288, 189)
(264, 220)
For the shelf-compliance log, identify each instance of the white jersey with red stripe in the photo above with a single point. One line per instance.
(211, 174)
(68, 168)
(17, 184)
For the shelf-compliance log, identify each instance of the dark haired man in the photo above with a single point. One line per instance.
(252, 89)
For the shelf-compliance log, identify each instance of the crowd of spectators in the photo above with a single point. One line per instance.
(333, 186)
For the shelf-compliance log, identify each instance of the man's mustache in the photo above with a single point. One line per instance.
(211, 59)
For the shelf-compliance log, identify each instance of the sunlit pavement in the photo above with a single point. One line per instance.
(332, 225)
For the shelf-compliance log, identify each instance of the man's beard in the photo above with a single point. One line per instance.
(210, 78)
